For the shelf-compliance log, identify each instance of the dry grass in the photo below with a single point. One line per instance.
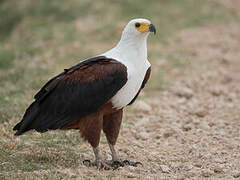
(186, 123)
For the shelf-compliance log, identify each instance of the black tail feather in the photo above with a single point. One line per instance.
(27, 122)
(17, 126)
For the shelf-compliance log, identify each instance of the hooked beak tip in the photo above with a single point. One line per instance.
(152, 28)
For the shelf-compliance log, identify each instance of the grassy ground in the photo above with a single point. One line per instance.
(38, 39)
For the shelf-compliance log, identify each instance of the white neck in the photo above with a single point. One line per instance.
(133, 46)
(131, 49)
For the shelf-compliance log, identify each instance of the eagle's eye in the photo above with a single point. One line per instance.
(137, 25)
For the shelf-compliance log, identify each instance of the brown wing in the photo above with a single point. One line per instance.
(147, 76)
(74, 93)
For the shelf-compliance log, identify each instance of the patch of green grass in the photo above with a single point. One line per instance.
(49, 151)
(10, 18)
(6, 58)
(58, 10)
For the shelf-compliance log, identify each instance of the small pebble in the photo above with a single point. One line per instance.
(218, 169)
(131, 175)
(164, 169)
(207, 172)
(201, 112)
(183, 92)
(236, 174)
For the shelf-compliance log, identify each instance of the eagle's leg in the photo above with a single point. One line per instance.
(111, 126)
(114, 153)
(90, 129)
(99, 162)
(98, 158)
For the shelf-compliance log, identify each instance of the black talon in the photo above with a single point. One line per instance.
(117, 164)
(115, 167)
(86, 162)
(136, 163)
(131, 163)
(127, 162)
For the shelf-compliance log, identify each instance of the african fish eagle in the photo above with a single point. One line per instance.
(91, 95)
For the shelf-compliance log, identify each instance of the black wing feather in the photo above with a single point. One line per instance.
(62, 99)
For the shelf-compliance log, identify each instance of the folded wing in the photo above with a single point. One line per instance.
(74, 93)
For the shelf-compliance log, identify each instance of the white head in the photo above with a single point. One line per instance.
(138, 28)
(133, 43)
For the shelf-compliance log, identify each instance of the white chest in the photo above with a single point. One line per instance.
(135, 78)
(132, 52)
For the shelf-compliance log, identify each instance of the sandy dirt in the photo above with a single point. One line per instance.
(191, 130)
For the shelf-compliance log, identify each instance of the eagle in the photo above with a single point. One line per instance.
(91, 95)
